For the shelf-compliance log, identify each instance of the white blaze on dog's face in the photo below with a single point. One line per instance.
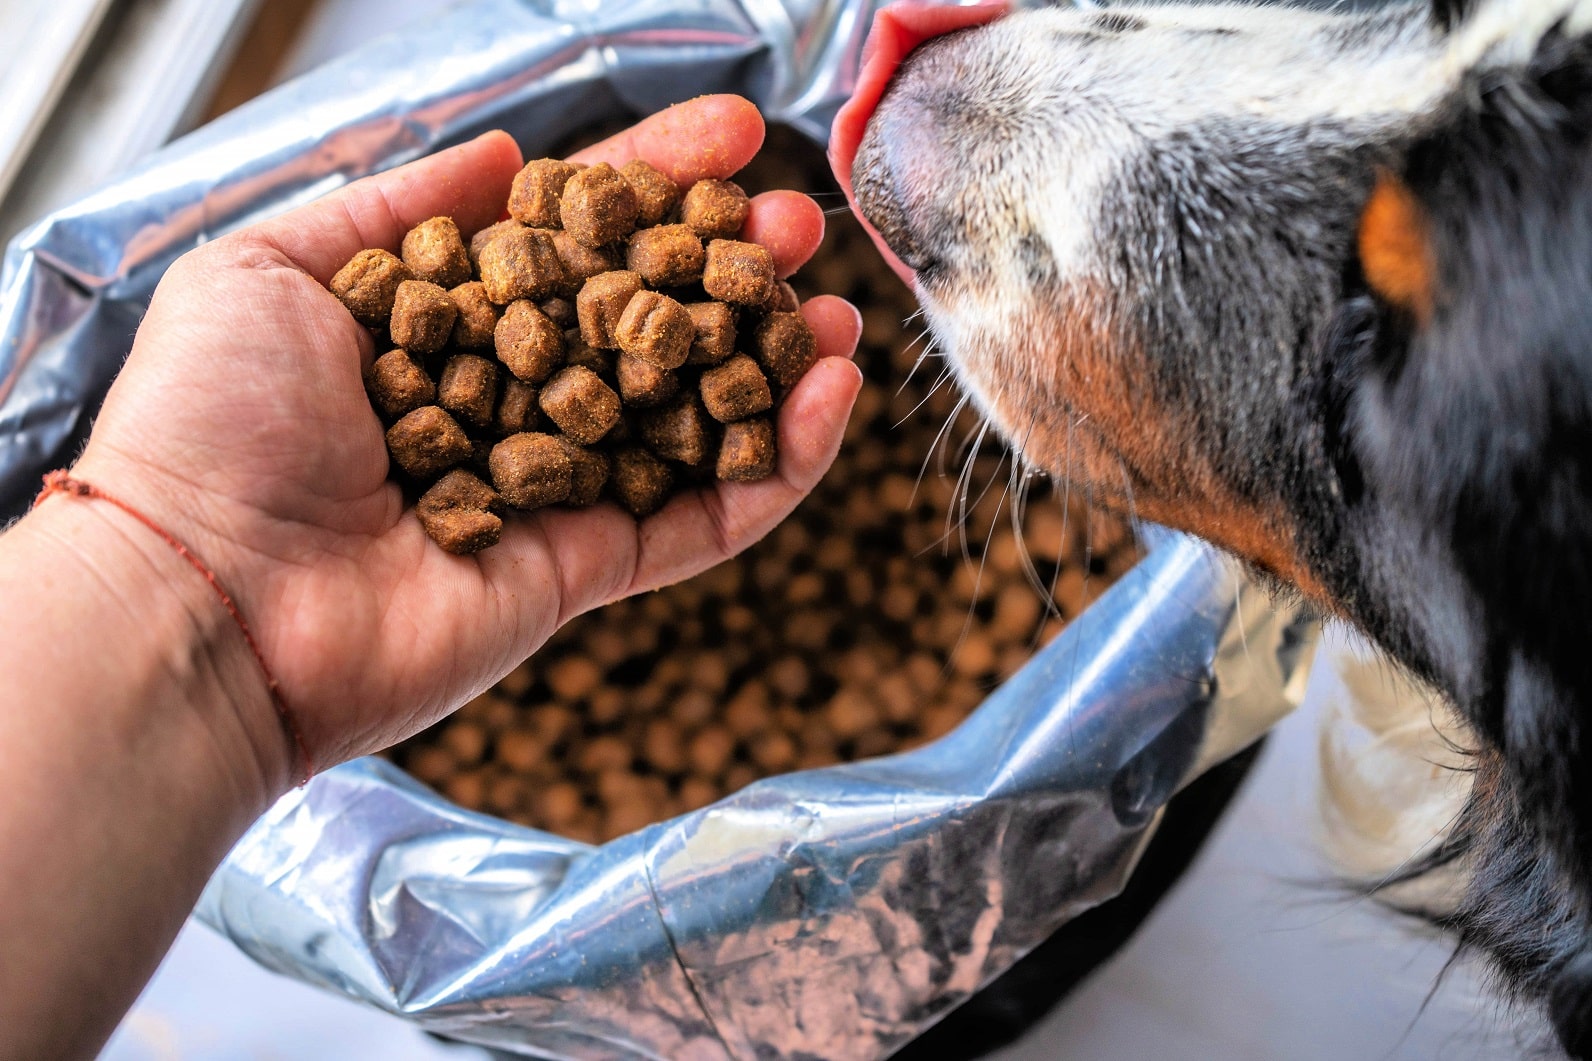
(1131, 228)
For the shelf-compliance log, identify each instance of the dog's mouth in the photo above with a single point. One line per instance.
(897, 30)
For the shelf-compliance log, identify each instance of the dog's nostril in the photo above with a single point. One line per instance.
(879, 199)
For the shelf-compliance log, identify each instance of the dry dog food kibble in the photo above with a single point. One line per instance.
(599, 206)
(477, 318)
(679, 432)
(735, 390)
(532, 470)
(558, 354)
(468, 390)
(786, 346)
(715, 209)
(641, 481)
(747, 452)
(656, 329)
(581, 404)
(643, 384)
(601, 303)
(461, 513)
(533, 198)
(427, 442)
(368, 284)
(397, 385)
(656, 194)
(742, 273)
(666, 256)
(521, 263)
(434, 251)
(517, 409)
(528, 342)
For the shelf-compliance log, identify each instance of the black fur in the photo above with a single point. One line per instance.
(1477, 429)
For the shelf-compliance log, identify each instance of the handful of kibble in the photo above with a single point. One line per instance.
(612, 338)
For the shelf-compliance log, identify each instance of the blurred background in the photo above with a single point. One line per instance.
(1248, 955)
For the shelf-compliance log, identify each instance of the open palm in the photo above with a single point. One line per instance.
(241, 423)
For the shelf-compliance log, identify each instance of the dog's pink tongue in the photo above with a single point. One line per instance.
(896, 31)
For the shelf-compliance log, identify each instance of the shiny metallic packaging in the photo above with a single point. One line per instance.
(829, 914)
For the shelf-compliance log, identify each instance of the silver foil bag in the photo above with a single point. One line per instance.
(829, 914)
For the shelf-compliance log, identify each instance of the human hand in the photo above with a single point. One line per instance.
(240, 423)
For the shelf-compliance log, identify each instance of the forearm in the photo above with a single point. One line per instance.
(131, 736)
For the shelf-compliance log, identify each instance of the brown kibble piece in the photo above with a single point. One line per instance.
(696, 793)
(601, 303)
(468, 389)
(427, 442)
(715, 333)
(666, 256)
(737, 272)
(559, 804)
(368, 284)
(582, 263)
(461, 513)
(422, 317)
(747, 453)
(520, 749)
(773, 752)
(599, 206)
(581, 404)
(784, 299)
(521, 263)
(561, 311)
(531, 470)
(534, 195)
(398, 385)
(710, 750)
(580, 353)
(517, 409)
(715, 209)
(528, 342)
(477, 318)
(573, 678)
(642, 384)
(736, 390)
(656, 194)
(588, 475)
(641, 481)
(678, 431)
(786, 346)
(662, 746)
(655, 328)
(433, 250)
(479, 241)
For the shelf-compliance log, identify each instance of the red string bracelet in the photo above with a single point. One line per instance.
(59, 482)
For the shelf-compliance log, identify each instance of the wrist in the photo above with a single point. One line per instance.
(164, 645)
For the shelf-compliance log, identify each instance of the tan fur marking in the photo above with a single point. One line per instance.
(1395, 248)
(1076, 397)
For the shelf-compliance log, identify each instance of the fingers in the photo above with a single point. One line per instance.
(837, 324)
(789, 224)
(710, 136)
(468, 183)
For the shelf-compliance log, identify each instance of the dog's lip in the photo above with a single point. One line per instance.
(897, 30)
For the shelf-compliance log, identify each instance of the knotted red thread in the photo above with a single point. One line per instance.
(59, 482)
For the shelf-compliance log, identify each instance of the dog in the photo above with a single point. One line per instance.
(1317, 287)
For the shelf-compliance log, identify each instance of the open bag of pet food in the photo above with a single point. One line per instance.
(770, 899)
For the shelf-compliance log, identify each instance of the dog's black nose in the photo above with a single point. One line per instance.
(881, 199)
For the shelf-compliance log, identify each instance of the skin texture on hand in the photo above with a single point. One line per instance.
(137, 741)
(241, 422)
